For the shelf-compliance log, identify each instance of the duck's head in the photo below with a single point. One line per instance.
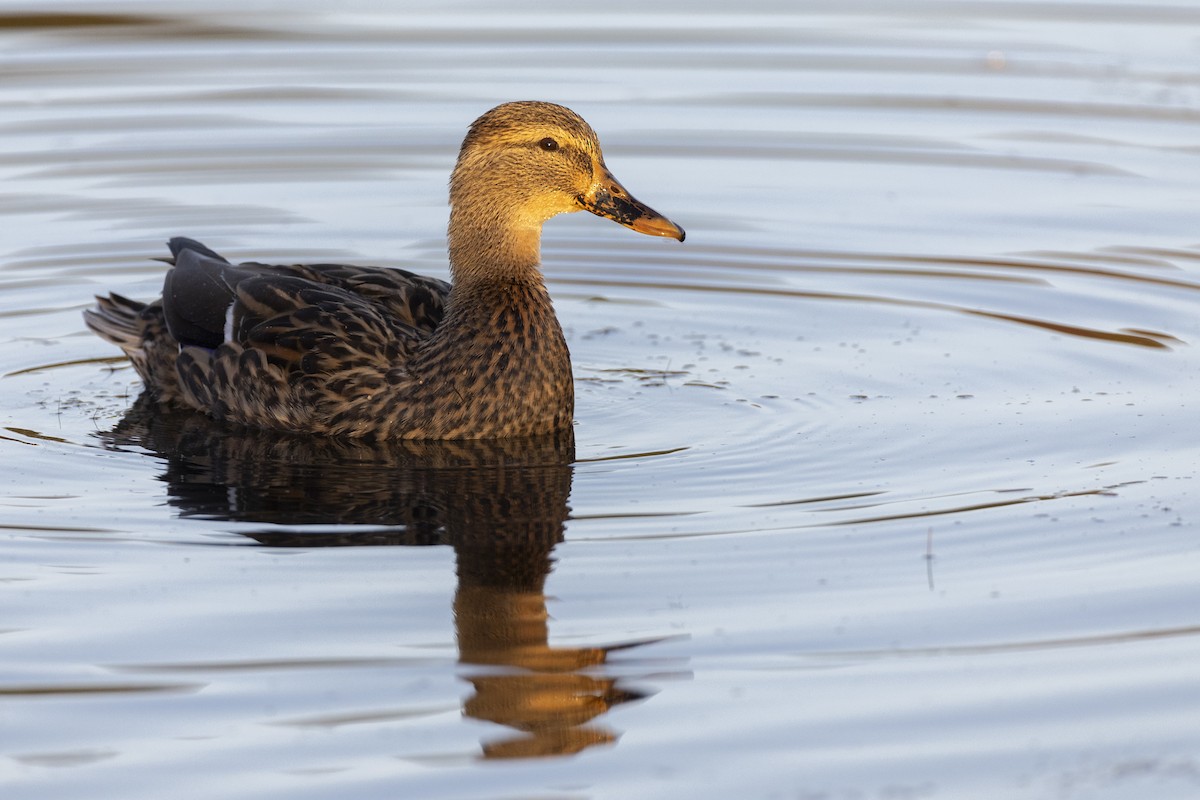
(523, 163)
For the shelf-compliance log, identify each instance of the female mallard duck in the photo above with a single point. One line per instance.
(367, 351)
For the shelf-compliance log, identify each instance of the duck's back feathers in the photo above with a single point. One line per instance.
(257, 342)
(208, 301)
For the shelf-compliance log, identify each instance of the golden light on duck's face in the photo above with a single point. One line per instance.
(545, 160)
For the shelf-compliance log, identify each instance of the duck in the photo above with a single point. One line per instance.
(383, 353)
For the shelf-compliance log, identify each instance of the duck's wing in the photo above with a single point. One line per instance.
(414, 300)
(292, 347)
(208, 301)
(199, 297)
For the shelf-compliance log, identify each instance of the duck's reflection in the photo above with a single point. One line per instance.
(500, 504)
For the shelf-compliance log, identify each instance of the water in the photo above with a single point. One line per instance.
(882, 484)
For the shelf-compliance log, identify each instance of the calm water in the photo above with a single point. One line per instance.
(884, 484)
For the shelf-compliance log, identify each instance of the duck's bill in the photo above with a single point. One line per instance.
(609, 199)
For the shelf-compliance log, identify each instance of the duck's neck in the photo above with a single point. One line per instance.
(486, 249)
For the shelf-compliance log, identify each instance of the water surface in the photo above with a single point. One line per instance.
(882, 484)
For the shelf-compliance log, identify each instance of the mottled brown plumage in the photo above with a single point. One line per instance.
(367, 351)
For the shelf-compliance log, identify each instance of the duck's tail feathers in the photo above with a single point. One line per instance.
(119, 320)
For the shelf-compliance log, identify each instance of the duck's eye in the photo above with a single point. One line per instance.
(548, 144)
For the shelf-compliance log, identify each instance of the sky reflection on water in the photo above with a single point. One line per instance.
(881, 485)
